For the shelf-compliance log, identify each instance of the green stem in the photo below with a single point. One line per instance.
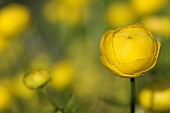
(44, 94)
(132, 104)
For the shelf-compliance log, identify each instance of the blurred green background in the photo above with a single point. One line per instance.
(64, 36)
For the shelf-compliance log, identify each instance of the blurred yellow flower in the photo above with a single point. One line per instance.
(129, 51)
(155, 97)
(63, 75)
(5, 96)
(55, 11)
(160, 25)
(37, 78)
(120, 14)
(145, 7)
(14, 18)
(19, 88)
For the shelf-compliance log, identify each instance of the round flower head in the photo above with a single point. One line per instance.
(37, 78)
(129, 51)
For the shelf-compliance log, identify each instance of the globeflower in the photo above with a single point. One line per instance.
(37, 78)
(129, 51)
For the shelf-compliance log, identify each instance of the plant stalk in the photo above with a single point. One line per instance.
(133, 95)
(43, 93)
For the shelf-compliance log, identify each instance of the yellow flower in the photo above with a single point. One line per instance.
(155, 97)
(129, 51)
(144, 7)
(5, 97)
(120, 14)
(14, 18)
(63, 74)
(159, 25)
(37, 78)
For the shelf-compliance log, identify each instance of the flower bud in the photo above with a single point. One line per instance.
(156, 96)
(129, 51)
(37, 78)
